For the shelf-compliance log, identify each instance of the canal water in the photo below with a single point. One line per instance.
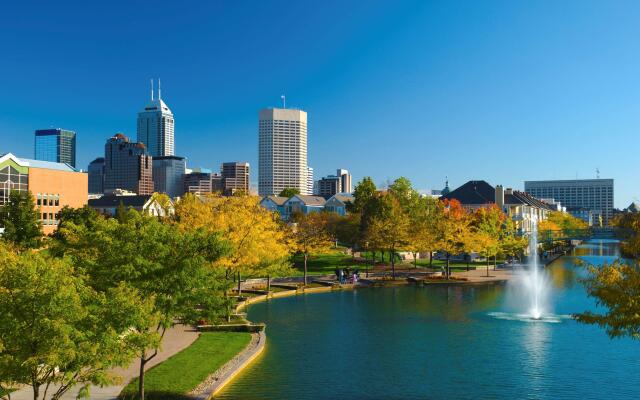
(440, 342)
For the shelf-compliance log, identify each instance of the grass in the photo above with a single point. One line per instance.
(177, 376)
(325, 264)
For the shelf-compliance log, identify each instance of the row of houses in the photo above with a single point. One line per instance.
(305, 204)
(524, 209)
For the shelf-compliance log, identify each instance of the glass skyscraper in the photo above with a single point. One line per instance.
(56, 145)
(155, 127)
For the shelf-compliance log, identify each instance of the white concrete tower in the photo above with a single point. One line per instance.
(282, 151)
(156, 126)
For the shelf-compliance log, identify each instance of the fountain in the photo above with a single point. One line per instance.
(534, 279)
(527, 296)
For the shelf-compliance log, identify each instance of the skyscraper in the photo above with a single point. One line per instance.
(168, 173)
(155, 126)
(309, 181)
(282, 151)
(56, 145)
(127, 166)
(96, 176)
(595, 195)
(235, 177)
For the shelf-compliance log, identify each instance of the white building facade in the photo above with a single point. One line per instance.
(282, 151)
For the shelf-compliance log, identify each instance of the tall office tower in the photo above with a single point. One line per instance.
(168, 172)
(282, 151)
(235, 177)
(345, 180)
(96, 176)
(309, 181)
(155, 126)
(127, 166)
(595, 195)
(56, 145)
(202, 181)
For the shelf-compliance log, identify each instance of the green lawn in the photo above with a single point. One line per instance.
(325, 263)
(180, 374)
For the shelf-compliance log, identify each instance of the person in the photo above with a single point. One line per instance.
(337, 271)
(341, 275)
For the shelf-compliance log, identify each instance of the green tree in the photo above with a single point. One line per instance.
(56, 331)
(173, 268)
(388, 230)
(364, 191)
(310, 235)
(616, 287)
(289, 192)
(21, 220)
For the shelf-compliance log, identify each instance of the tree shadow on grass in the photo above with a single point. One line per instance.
(149, 395)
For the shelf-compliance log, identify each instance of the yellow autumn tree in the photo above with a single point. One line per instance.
(256, 235)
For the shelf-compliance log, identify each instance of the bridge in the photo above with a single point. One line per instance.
(606, 232)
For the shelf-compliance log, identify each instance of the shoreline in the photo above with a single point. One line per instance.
(225, 375)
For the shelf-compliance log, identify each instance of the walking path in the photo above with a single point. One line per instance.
(175, 339)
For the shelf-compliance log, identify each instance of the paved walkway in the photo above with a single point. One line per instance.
(175, 339)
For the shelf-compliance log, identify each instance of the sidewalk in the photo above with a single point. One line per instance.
(175, 339)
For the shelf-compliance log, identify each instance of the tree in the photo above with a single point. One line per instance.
(389, 229)
(362, 194)
(453, 230)
(487, 230)
(310, 235)
(21, 220)
(256, 235)
(289, 192)
(172, 268)
(511, 243)
(616, 287)
(56, 331)
(423, 221)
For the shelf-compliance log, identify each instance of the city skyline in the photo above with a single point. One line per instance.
(515, 95)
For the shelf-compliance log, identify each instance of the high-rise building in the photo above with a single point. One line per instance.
(596, 195)
(282, 151)
(345, 180)
(53, 186)
(56, 145)
(235, 177)
(309, 181)
(127, 166)
(96, 176)
(202, 181)
(156, 126)
(168, 172)
(328, 186)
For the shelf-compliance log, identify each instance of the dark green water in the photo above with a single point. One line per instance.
(439, 342)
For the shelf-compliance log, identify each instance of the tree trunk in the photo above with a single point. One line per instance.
(487, 264)
(268, 283)
(494, 262)
(430, 259)
(143, 362)
(305, 268)
(393, 265)
(447, 269)
(468, 261)
(36, 391)
(415, 260)
(239, 288)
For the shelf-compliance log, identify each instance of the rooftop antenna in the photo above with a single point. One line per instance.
(284, 101)
(151, 89)
(597, 173)
(159, 90)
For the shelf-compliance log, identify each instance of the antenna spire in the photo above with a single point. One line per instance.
(159, 90)
(284, 101)
(151, 89)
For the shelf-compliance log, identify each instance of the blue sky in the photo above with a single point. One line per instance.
(498, 90)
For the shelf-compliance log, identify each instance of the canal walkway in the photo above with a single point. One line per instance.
(175, 339)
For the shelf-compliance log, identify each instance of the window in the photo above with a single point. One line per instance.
(39, 199)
